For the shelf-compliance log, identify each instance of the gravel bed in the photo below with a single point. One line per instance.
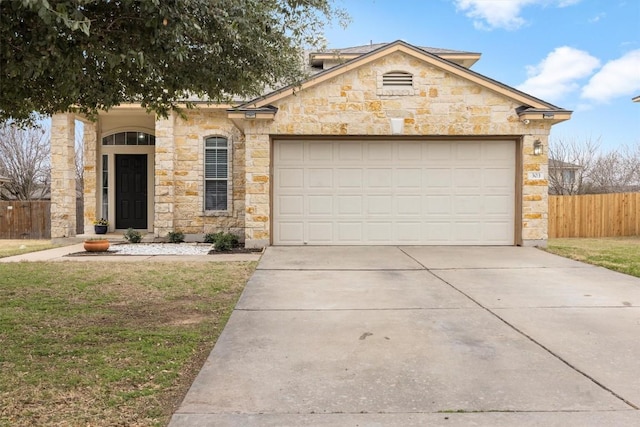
(161, 249)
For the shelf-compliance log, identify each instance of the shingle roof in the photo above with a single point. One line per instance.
(373, 46)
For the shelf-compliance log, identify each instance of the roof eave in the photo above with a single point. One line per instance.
(399, 45)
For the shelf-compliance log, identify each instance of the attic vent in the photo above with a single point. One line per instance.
(397, 79)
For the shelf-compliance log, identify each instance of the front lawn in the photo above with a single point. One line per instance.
(18, 247)
(615, 253)
(106, 344)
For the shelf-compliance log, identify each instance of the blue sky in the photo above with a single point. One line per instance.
(582, 55)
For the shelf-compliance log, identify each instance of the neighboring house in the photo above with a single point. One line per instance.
(636, 99)
(386, 144)
(563, 177)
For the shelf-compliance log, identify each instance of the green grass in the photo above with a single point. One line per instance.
(19, 247)
(615, 253)
(107, 344)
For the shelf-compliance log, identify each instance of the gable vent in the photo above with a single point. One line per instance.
(397, 78)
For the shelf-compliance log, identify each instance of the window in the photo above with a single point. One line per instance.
(216, 174)
(129, 138)
(105, 186)
(568, 176)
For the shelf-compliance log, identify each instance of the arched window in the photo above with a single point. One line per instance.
(216, 173)
(129, 138)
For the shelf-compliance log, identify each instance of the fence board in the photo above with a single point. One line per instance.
(594, 215)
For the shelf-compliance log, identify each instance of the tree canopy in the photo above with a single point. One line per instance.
(89, 55)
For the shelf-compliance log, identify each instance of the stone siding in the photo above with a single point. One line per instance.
(63, 176)
(443, 104)
(179, 174)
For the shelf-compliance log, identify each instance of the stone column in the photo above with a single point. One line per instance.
(164, 176)
(63, 176)
(535, 197)
(257, 196)
(91, 179)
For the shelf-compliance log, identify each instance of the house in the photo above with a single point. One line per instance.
(563, 177)
(636, 99)
(385, 144)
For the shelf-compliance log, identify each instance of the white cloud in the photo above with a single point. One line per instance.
(490, 14)
(619, 77)
(558, 73)
(597, 18)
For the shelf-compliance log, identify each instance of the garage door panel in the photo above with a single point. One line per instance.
(320, 178)
(349, 205)
(438, 178)
(289, 233)
(408, 205)
(410, 151)
(438, 205)
(468, 205)
(349, 152)
(380, 205)
(383, 192)
(379, 152)
(469, 152)
(349, 178)
(497, 178)
(437, 232)
(379, 178)
(320, 231)
(320, 151)
(498, 205)
(379, 232)
(349, 232)
(320, 205)
(410, 178)
(438, 151)
(496, 231)
(468, 177)
(290, 152)
(291, 205)
(291, 178)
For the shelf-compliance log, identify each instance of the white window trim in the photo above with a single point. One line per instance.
(229, 210)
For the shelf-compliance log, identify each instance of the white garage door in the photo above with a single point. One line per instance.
(402, 192)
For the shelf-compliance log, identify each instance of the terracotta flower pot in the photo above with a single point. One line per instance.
(96, 245)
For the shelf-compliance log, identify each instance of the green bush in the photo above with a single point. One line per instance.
(222, 241)
(175, 236)
(132, 236)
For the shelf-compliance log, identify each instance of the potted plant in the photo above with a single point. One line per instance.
(98, 244)
(100, 226)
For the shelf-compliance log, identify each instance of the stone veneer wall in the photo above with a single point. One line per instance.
(179, 174)
(349, 105)
(90, 177)
(63, 176)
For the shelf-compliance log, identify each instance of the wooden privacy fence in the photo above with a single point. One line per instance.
(25, 219)
(31, 219)
(594, 215)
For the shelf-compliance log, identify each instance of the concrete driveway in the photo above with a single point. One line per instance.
(412, 336)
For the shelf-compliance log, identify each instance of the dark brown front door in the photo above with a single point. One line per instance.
(131, 191)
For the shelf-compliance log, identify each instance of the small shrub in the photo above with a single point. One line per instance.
(210, 237)
(223, 241)
(132, 236)
(175, 236)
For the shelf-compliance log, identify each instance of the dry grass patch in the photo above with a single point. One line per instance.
(19, 247)
(106, 344)
(615, 253)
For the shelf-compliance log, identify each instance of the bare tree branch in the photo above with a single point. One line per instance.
(25, 160)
